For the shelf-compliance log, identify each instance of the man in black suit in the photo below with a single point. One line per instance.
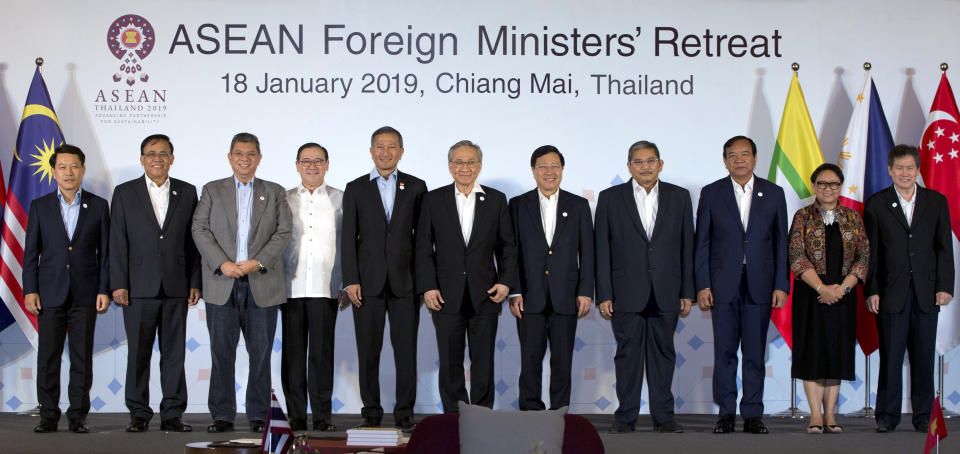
(466, 265)
(644, 282)
(910, 277)
(380, 212)
(155, 275)
(554, 234)
(66, 251)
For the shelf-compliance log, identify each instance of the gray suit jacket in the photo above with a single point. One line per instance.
(215, 234)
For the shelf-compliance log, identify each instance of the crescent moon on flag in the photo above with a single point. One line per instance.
(936, 116)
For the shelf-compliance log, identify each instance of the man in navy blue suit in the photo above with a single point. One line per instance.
(741, 273)
(66, 251)
(554, 235)
(644, 245)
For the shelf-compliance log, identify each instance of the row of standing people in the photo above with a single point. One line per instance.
(461, 247)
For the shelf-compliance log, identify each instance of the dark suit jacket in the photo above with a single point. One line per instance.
(54, 265)
(564, 269)
(146, 257)
(445, 264)
(628, 264)
(373, 251)
(722, 243)
(922, 251)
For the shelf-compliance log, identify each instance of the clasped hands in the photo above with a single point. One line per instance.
(239, 269)
(434, 300)
(583, 306)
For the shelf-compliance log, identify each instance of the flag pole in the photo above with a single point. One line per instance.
(793, 412)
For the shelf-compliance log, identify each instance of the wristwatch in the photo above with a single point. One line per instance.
(261, 268)
(845, 288)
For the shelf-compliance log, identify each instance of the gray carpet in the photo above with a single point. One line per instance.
(787, 436)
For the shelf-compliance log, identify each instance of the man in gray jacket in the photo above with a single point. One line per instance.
(241, 228)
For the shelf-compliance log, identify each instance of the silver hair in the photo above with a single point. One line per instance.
(465, 143)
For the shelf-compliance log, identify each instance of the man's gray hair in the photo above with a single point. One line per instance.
(464, 143)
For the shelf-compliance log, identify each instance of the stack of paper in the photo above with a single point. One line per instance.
(373, 436)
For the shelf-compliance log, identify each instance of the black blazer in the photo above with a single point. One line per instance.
(922, 251)
(564, 269)
(445, 264)
(373, 251)
(54, 265)
(145, 256)
(628, 264)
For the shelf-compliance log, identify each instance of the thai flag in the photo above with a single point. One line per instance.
(277, 436)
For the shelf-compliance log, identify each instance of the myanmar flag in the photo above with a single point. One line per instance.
(795, 157)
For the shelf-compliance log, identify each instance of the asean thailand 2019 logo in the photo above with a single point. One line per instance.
(131, 39)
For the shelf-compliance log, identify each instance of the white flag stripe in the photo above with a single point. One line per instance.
(13, 224)
(7, 256)
(18, 314)
(853, 152)
(948, 324)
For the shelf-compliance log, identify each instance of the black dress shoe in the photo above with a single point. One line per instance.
(175, 425)
(922, 427)
(884, 427)
(298, 424)
(220, 427)
(724, 424)
(370, 422)
(755, 426)
(669, 427)
(138, 425)
(621, 428)
(324, 426)
(79, 426)
(257, 426)
(405, 424)
(45, 427)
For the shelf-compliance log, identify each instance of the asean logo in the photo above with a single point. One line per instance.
(130, 39)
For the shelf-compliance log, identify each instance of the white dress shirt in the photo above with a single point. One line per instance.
(311, 257)
(548, 214)
(466, 206)
(744, 195)
(159, 198)
(647, 205)
(907, 206)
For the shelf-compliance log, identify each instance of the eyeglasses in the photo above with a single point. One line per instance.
(649, 162)
(238, 155)
(833, 185)
(154, 154)
(311, 162)
(463, 164)
(545, 167)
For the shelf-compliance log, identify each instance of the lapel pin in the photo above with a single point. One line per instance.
(261, 198)
(481, 198)
(84, 205)
(564, 214)
(174, 192)
(401, 186)
(759, 194)
(894, 204)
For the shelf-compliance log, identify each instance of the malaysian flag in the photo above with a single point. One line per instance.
(30, 177)
(277, 435)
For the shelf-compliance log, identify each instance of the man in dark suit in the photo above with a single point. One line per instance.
(644, 282)
(910, 277)
(741, 274)
(241, 227)
(466, 265)
(380, 212)
(65, 284)
(554, 235)
(155, 275)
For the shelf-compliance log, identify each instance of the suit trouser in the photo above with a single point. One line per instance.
(913, 331)
(742, 324)
(53, 323)
(534, 330)
(481, 330)
(368, 323)
(308, 325)
(143, 320)
(240, 314)
(645, 341)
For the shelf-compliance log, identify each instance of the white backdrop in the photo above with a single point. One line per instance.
(192, 96)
